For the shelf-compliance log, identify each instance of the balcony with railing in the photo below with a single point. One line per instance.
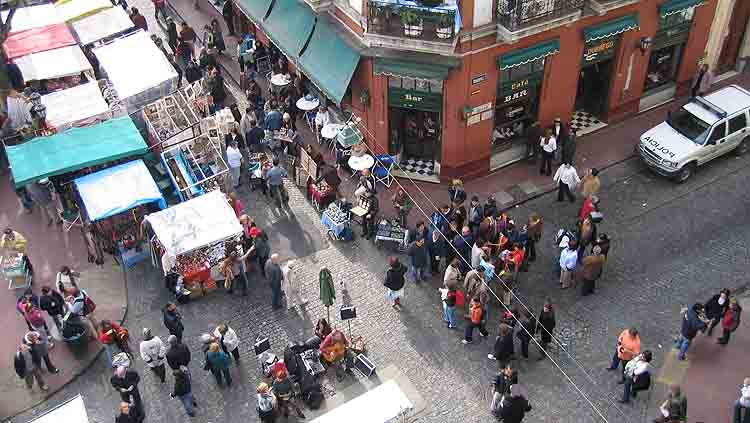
(426, 26)
(520, 18)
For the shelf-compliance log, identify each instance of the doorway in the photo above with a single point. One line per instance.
(733, 41)
(593, 87)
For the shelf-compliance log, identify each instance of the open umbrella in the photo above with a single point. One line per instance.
(327, 290)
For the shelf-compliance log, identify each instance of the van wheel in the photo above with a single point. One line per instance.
(685, 173)
(743, 148)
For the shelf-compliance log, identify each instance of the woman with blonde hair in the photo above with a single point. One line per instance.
(266, 403)
(456, 191)
(219, 364)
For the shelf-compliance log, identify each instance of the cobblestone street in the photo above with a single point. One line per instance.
(672, 245)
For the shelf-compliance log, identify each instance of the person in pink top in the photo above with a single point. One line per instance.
(237, 205)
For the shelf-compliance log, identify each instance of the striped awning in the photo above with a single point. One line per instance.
(674, 7)
(611, 28)
(526, 55)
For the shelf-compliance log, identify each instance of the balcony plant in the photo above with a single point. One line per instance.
(413, 23)
(445, 24)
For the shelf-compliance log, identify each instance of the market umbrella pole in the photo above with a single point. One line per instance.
(327, 290)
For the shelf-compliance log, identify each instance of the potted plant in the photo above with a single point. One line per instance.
(413, 23)
(444, 28)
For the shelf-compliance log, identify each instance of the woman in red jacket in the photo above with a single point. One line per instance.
(114, 338)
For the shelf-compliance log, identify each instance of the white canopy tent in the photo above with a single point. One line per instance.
(102, 25)
(195, 223)
(68, 107)
(57, 63)
(33, 17)
(71, 10)
(137, 69)
(71, 411)
(380, 405)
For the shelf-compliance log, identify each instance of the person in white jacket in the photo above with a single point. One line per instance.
(290, 285)
(153, 352)
(228, 340)
(567, 181)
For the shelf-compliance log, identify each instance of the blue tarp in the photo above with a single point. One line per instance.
(118, 189)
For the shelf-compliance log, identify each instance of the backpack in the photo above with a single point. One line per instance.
(88, 304)
(476, 315)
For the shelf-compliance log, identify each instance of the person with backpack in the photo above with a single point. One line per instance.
(81, 306)
(266, 403)
(183, 390)
(693, 321)
(476, 313)
(40, 346)
(53, 303)
(28, 367)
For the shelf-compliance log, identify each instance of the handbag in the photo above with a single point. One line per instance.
(88, 305)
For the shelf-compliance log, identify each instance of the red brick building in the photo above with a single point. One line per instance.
(450, 88)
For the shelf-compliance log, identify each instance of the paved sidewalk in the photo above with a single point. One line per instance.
(49, 247)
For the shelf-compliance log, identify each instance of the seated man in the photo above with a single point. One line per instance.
(370, 203)
(335, 350)
(637, 376)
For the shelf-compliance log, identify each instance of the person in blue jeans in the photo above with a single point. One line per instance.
(218, 362)
(693, 322)
(183, 390)
(274, 274)
(419, 259)
(449, 305)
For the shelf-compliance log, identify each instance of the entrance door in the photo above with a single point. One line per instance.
(593, 87)
(733, 41)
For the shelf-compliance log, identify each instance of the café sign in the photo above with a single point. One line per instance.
(411, 99)
(599, 50)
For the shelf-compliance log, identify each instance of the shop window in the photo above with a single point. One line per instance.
(416, 84)
(520, 72)
(737, 123)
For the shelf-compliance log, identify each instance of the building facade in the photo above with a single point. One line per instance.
(449, 88)
(728, 44)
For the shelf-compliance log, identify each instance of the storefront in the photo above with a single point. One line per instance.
(597, 68)
(668, 47)
(520, 81)
(415, 115)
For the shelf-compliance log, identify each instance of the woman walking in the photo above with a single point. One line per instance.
(219, 364)
(228, 341)
(545, 325)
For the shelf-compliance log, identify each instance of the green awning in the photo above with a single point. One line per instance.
(329, 62)
(289, 26)
(256, 10)
(611, 28)
(529, 54)
(406, 69)
(75, 149)
(676, 6)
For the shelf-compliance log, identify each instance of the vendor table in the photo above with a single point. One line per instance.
(391, 231)
(336, 227)
(13, 268)
(361, 163)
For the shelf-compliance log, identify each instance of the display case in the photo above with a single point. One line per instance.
(15, 271)
(195, 166)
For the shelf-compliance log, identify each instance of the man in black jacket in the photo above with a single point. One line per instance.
(129, 413)
(126, 383)
(394, 281)
(52, 302)
(503, 382)
(515, 406)
(178, 353)
(184, 391)
(715, 308)
(173, 320)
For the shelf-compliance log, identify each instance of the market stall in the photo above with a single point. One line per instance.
(37, 40)
(114, 201)
(137, 69)
(57, 63)
(175, 114)
(32, 17)
(77, 106)
(71, 411)
(72, 10)
(192, 237)
(195, 166)
(101, 25)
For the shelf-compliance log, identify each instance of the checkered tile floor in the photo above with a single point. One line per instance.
(418, 166)
(585, 122)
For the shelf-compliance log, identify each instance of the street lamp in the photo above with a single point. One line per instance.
(645, 44)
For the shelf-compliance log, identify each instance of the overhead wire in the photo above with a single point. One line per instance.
(356, 121)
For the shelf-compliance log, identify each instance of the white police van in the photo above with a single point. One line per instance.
(703, 129)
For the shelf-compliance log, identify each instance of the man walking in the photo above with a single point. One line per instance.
(592, 266)
(178, 354)
(184, 391)
(52, 302)
(568, 262)
(274, 275)
(275, 180)
(567, 181)
(126, 382)
(153, 353)
(692, 323)
(173, 320)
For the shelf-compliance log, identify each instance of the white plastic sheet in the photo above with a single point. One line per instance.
(75, 9)
(66, 107)
(72, 411)
(65, 61)
(380, 405)
(134, 65)
(195, 223)
(101, 25)
(33, 17)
